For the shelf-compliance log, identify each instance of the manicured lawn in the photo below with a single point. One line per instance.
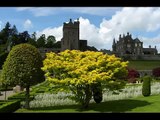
(144, 65)
(139, 104)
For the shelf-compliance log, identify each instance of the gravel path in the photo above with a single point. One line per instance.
(8, 93)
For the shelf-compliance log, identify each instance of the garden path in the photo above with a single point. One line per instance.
(8, 93)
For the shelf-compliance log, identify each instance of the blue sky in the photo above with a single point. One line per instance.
(98, 25)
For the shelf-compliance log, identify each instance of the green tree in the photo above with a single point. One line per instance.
(41, 41)
(32, 40)
(57, 44)
(23, 67)
(78, 71)
(14, 30)
(50, 41)
(5, 33)
(23, 37)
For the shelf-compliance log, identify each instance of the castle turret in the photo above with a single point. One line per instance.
(123, 35)
(120, 36)
(114, 45)
(70, 38)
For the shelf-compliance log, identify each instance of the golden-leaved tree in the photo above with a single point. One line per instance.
(79, 71)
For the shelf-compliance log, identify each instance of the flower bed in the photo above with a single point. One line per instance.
(48, 99)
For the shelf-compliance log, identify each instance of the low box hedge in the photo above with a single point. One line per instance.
(19, 96)
(9, 106)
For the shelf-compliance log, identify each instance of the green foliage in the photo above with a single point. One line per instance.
(41, 41)
(3, 57)
(9, 106)
(146, 87)
(57, 44)
(23, 67)
(20, 96)
(79, 70)
(32, 42)
(97, 92)
(50, 41)
(5, 32)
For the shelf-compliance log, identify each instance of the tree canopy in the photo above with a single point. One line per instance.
(22, 67)
(75, 69)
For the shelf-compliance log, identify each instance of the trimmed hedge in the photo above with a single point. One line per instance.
(146, 87)
(9, 106)
(19, 96)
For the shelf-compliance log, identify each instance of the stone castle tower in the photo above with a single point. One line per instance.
(70, 38)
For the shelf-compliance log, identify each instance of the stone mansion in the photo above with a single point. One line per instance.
(126, 45)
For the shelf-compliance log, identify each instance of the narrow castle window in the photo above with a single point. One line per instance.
(135, 44)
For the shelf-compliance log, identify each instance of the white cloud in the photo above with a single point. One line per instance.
(39, 11)
(137, 19)
(100, 11)
(45, 11)
(144, 20)
(27, 24)
(155, 41)
(57, 32)
(23, 8)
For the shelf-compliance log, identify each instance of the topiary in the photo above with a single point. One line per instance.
(146, 86)
(23, 67)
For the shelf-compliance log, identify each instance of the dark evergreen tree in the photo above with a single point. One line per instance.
(41, 41)
(32, 40)
(23, 37)
(5, 33)
(50, 41)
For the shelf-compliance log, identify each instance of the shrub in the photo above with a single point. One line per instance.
(76, 71)
(23, 67)
(9, 106)
(156, 72)
(146, 87)
(132, 75)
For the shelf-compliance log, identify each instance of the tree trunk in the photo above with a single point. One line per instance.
(27, 97)
(21, 88)
(5, 94)
(88, 96)
(5, 98)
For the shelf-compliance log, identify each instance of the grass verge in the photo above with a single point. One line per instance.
(139, 104)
